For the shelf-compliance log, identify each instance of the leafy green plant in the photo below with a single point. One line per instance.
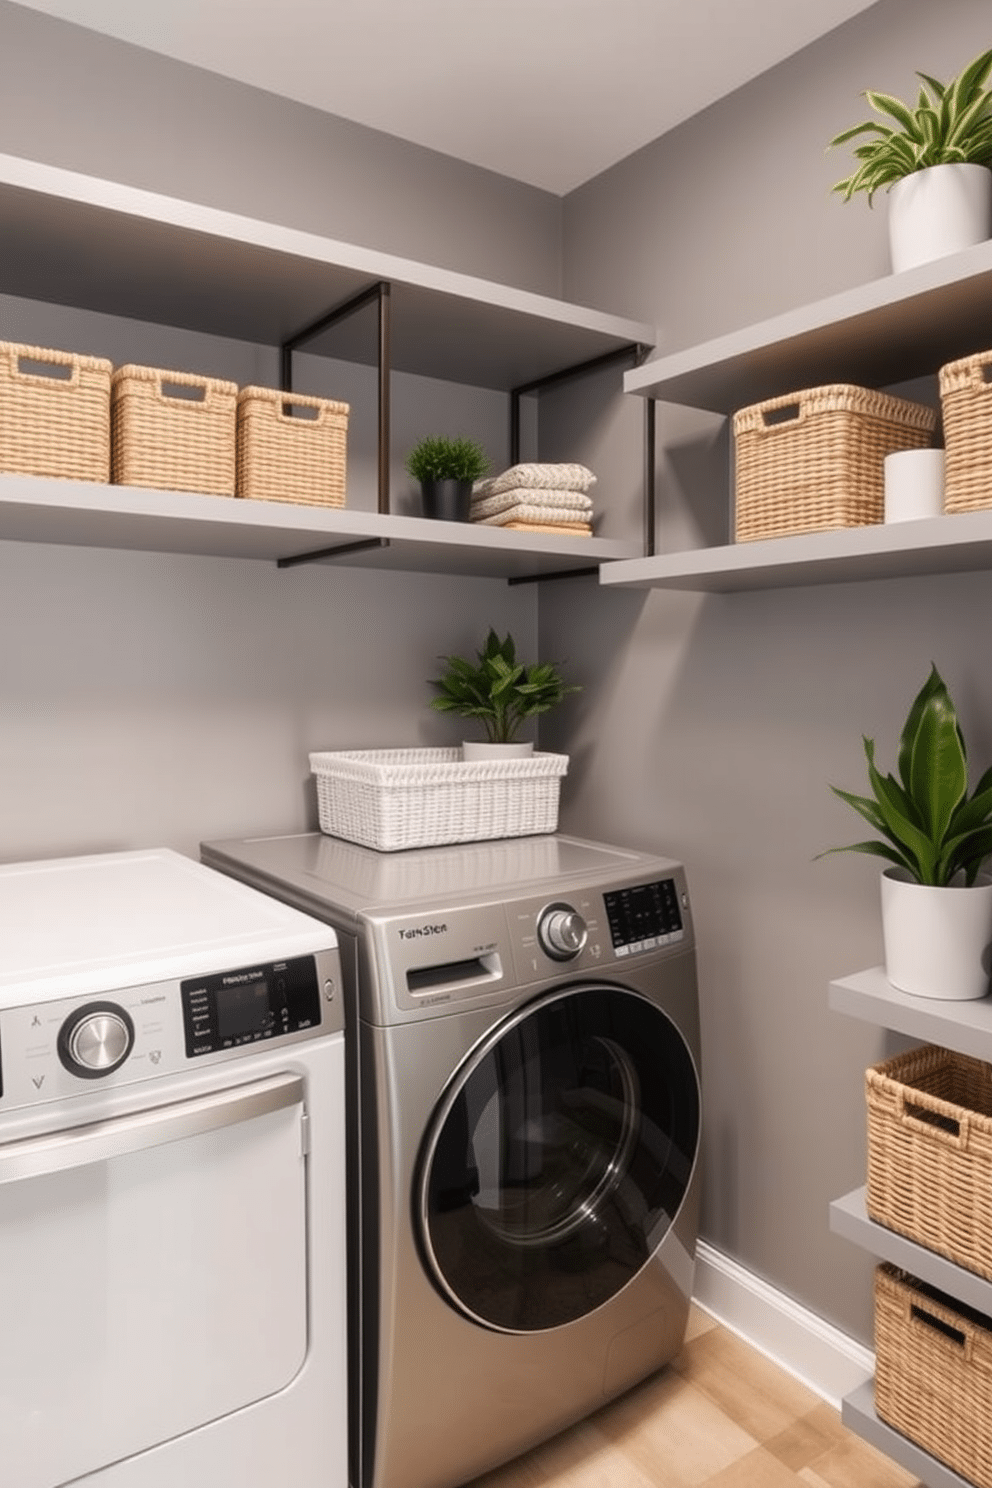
(498, 689)
(951, 124)
(436, 457)
(929, 824)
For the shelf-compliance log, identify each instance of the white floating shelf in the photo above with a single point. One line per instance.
(82, 513)
(957, 543)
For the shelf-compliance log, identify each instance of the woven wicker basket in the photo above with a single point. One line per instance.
(930, 1152)
(966, 403)
(54, 413)
(813, 460)
(933, 1372)
(173, 431)
(291, 447)
(398, 798)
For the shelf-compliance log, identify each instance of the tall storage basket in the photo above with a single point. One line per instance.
(173, 431)
(933, 1372)
(291, 447)
(966, 403)
(813, 460)
(398, 798)
(54, 413)
(930, 1152)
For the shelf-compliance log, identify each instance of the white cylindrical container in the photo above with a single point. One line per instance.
(938, 942)
(937, 211)
(914, 484)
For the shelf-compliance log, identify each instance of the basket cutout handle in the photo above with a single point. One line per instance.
(936, 1122)
(787, 413)
(51, 369)
(960, 1339)
(307, 413)
(187, 388)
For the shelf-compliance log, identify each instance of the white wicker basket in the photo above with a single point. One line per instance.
(397, 798)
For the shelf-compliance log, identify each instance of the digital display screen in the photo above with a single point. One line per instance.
(643, 913)
(244, 1009)
(227, 1009)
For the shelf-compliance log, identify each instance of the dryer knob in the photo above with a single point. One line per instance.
(96, 1040)
(562, 932)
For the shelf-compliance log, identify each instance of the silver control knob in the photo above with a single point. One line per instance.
(96, 1040)
(562, 932)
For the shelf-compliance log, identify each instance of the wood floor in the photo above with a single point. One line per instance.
(721, 1416)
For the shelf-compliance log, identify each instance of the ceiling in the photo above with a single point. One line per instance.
(549, 92)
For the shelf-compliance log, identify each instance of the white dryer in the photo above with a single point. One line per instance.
(525, 1057)
(172, 1181)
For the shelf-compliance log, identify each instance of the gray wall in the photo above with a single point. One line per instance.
(714, 723)
(92, 104)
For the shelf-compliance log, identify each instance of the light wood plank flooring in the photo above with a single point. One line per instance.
(721, 1416)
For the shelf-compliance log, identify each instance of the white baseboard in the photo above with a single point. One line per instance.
(820, 1355)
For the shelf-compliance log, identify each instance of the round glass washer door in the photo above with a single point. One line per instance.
(558, 1159)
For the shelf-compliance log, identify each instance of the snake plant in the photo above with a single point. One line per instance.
(950, 124)
(498, 689)
(928, 823)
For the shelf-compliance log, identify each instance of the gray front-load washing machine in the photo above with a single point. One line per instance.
(525, 1084)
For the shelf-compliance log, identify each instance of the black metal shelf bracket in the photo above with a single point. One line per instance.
(561, 573)
(379, 295)
(634, 352)
(336, 550)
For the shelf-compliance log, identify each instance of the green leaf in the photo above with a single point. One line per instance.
(869, 125)
(884, 103)
(899, 812)
(972, 80)
(936, 87)
(938, 771)
(876, 850)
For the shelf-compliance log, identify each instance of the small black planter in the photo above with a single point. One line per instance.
(448, 499)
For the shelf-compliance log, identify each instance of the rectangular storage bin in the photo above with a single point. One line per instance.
(813, 460)
(933, 1372)
(966, 405)
(173, 431)
(398, 798)
(291, 447)
(930, 1152)
(54, 413)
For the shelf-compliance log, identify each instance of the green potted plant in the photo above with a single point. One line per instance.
(936, 904)
(500, 692)
(934, 161)
(446, 469)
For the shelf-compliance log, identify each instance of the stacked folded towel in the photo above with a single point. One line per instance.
(538, 498)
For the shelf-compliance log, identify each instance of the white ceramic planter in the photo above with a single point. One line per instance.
(938, 211)
(938, 942)
(475, 750)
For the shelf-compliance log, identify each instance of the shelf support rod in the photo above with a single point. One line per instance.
(561, 573)
(650, 444)
(337, 551)
(379, 295)
(633, 350)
